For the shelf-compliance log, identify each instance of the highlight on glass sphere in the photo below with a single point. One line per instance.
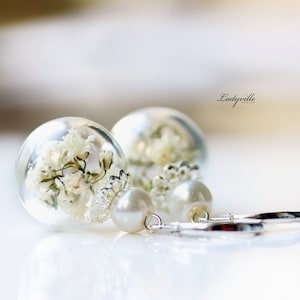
(69, 170)
(163, 147)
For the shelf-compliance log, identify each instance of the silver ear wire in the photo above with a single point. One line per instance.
(209, 228)
(148, 222)
(268, 217)
(228, 224)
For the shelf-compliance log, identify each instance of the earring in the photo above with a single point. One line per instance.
(68, 172)
(72, 173)
(166, 155)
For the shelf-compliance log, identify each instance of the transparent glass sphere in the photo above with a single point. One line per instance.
(161, 145)
(64, 170)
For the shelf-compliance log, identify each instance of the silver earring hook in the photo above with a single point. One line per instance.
(148, 222)
(241, 224)
(207, 228)
(268, 217)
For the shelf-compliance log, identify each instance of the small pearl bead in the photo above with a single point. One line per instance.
(187, 196)
(130, 210)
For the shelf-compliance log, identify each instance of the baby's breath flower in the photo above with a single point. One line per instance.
(168, 178)
(75, 205)
(162, 145)
(106, 160)
(74, 183)
(53, 155)
(75, 145)
(60, 176)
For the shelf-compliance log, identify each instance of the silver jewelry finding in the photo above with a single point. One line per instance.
(148, 222)
(268, 217)
(233, 224)
(209, 228)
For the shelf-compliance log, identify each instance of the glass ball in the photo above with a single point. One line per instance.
(160, 141)
(64, 172)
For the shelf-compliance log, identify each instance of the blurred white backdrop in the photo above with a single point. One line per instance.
(109, 58)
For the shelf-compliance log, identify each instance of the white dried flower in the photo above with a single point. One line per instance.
(160, 146)
(53, 156)
(168, 178)
(75, 146)
(106, 160)
(60, 177)
(74, 183)
(166, 148)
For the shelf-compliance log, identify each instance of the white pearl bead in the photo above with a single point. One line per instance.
(130, 210)
(187, 196)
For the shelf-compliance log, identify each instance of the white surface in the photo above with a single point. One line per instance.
(246, 174)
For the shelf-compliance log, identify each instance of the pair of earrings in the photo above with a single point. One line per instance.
(73, 172)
